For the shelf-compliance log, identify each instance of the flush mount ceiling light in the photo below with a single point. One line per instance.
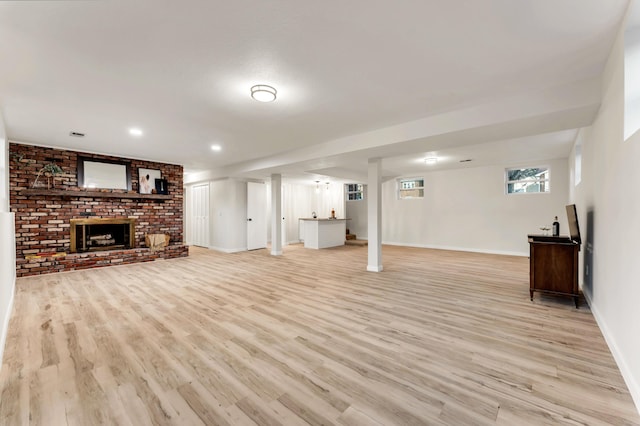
(263, 93)
(216, 148)
(431, 160)
(135, 132)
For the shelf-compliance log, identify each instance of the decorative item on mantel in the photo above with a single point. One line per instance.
(50, 170)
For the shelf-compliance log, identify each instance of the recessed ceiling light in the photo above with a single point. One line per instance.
(76, 134)
(431, 160)
(263, 93)
(216, 147)
(135, 132)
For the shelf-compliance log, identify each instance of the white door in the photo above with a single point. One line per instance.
(200, 215)
(284, 219)
(256, 215)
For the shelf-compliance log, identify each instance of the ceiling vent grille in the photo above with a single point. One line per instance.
(76, 134)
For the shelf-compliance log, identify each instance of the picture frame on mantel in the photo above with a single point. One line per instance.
(147, 179)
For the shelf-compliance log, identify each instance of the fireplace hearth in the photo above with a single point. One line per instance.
(100, 234)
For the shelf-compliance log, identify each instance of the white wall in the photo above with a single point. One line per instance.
(228, 210)
(300, 201)
(609, 213)
(7, 244)
(228, 213)
(467, 209)
(327, 199)
(4, 168)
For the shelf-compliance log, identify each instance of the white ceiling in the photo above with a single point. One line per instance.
(355, 80)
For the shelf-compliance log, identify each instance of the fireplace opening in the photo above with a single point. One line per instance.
(101, 234)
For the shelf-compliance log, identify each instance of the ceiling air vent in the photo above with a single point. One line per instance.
(76, 134)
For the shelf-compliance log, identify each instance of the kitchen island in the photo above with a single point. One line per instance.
(322, 233)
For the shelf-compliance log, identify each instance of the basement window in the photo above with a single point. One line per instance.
(355, 192)
(410, 188)
(631, 69)
(529, 180)
(577, 164)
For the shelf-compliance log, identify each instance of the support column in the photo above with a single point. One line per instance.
(276, 214)
(374, 213)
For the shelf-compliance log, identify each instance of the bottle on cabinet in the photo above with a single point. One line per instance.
(556, 227)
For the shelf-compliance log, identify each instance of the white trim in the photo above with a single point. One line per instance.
(632, 384)
(276, 253)
(472, 250)
(5, 328)
(374, 268)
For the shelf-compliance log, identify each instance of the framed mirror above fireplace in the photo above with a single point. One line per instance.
(104, 174)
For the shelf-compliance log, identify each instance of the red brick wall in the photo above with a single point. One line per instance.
(42, 221)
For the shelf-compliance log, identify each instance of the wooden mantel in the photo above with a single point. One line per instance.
(97, 194)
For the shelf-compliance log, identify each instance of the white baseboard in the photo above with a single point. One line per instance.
(632, 383)
(5, 324)
(225, 250)
(472, 250)
(374, 268)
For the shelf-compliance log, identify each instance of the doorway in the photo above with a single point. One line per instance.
(200, 215)
(256, 216)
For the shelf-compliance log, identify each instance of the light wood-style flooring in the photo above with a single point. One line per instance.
(438, 337)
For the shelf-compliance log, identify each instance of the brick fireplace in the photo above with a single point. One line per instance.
(50, 221)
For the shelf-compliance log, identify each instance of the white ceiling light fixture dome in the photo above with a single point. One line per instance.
(263, 93)
(430, 161)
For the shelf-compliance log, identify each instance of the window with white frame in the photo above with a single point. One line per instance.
(410, 188)
(631, 69)
(527, 180)
(355, 192)
(577, 165)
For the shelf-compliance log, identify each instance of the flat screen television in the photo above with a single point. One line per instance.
(574, 228)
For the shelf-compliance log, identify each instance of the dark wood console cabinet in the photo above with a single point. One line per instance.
(553, 266)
